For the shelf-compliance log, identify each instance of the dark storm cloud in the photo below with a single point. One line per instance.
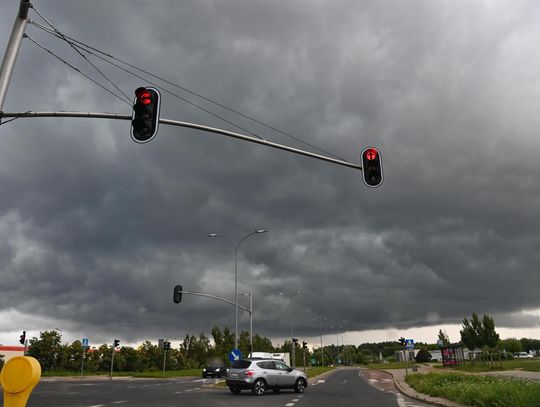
(97, 230)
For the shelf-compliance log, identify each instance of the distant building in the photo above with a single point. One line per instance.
(11, 351)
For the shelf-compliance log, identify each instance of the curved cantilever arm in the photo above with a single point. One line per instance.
(214, 130)
(216, 298)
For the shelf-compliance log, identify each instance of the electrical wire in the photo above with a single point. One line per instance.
(76, 69)
(83, 46)
(80, 47)
(82, 55)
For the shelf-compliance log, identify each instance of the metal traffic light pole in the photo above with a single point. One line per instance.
(12, 50)
(239, 136)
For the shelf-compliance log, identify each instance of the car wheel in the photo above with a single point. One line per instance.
(300, 386)
(235, 390)
(259, 387)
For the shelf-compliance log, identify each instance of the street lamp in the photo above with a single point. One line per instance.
(236, 247)
(290, 297)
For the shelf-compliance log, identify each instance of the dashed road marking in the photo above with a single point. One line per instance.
(119, 401)
(321, 381)
(289, 404)
(295, 400)
(97, 405)
(177, 392)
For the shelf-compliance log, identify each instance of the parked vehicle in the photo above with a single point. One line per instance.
(523, 355)
(258, 375)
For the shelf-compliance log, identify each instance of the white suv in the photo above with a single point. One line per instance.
(258, 375)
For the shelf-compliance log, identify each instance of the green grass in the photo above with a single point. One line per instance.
(477, 390)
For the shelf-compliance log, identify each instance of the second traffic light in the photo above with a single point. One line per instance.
(304, 345)
(116, 343)
(177, 294)
(372, 167)
(22, 338)
(145, 119)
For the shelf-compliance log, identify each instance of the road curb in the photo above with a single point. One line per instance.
(408, 391)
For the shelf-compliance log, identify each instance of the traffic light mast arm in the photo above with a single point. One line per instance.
(215, 298)
(214, 130)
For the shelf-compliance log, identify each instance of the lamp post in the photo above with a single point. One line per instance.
(293, 344)
(320, 332)
(236, 247)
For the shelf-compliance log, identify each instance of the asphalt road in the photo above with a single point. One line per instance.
(345, 387)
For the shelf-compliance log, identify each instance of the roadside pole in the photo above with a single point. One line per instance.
(82, 362)
(12, 49)
(164, 360)
(112, 362)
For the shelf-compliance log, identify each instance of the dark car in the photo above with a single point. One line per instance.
(214, 370)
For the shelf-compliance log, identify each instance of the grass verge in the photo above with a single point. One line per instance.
(477, 390)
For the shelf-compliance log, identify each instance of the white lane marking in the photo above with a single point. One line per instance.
(295, 400)
(119, 401)
(321, 381)
(289, 404)
(373, 380)
(197, 388)
(177, 392)
(400, 401)
(97, 405)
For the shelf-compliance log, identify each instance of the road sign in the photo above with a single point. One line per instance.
(85, 342)
(235, 355)
(409, 343)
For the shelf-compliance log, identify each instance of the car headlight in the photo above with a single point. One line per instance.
(217, 370)
(204, 370)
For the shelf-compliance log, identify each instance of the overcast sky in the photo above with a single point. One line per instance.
(95, 230)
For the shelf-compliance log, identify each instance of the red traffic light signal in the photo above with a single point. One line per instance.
(372, 167)
(145, 119)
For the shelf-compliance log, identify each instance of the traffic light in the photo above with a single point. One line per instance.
(145, 119)
(166, 345)
(22, 338)
(177, 294)
(295, 340)
(304, 345)
(402, 341)
(116, 343)
(372, 167)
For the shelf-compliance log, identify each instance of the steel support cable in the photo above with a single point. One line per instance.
(63, 37)
(82, 47)
(191, 92)
(76, 69)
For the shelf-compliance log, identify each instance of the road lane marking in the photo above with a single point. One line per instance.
(289, 404)
(97, 405)
(120, 401)
(177, 392)
(295, 400)
(321, 381)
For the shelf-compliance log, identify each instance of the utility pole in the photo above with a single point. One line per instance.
(12, 50)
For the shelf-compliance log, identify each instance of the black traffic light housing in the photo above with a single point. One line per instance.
(295, 340)
(145, 119)
(166, 345)
(372, 167)
(304, 345)
(116, 343)
(402, 341)
(22, 338)
(177, 294)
